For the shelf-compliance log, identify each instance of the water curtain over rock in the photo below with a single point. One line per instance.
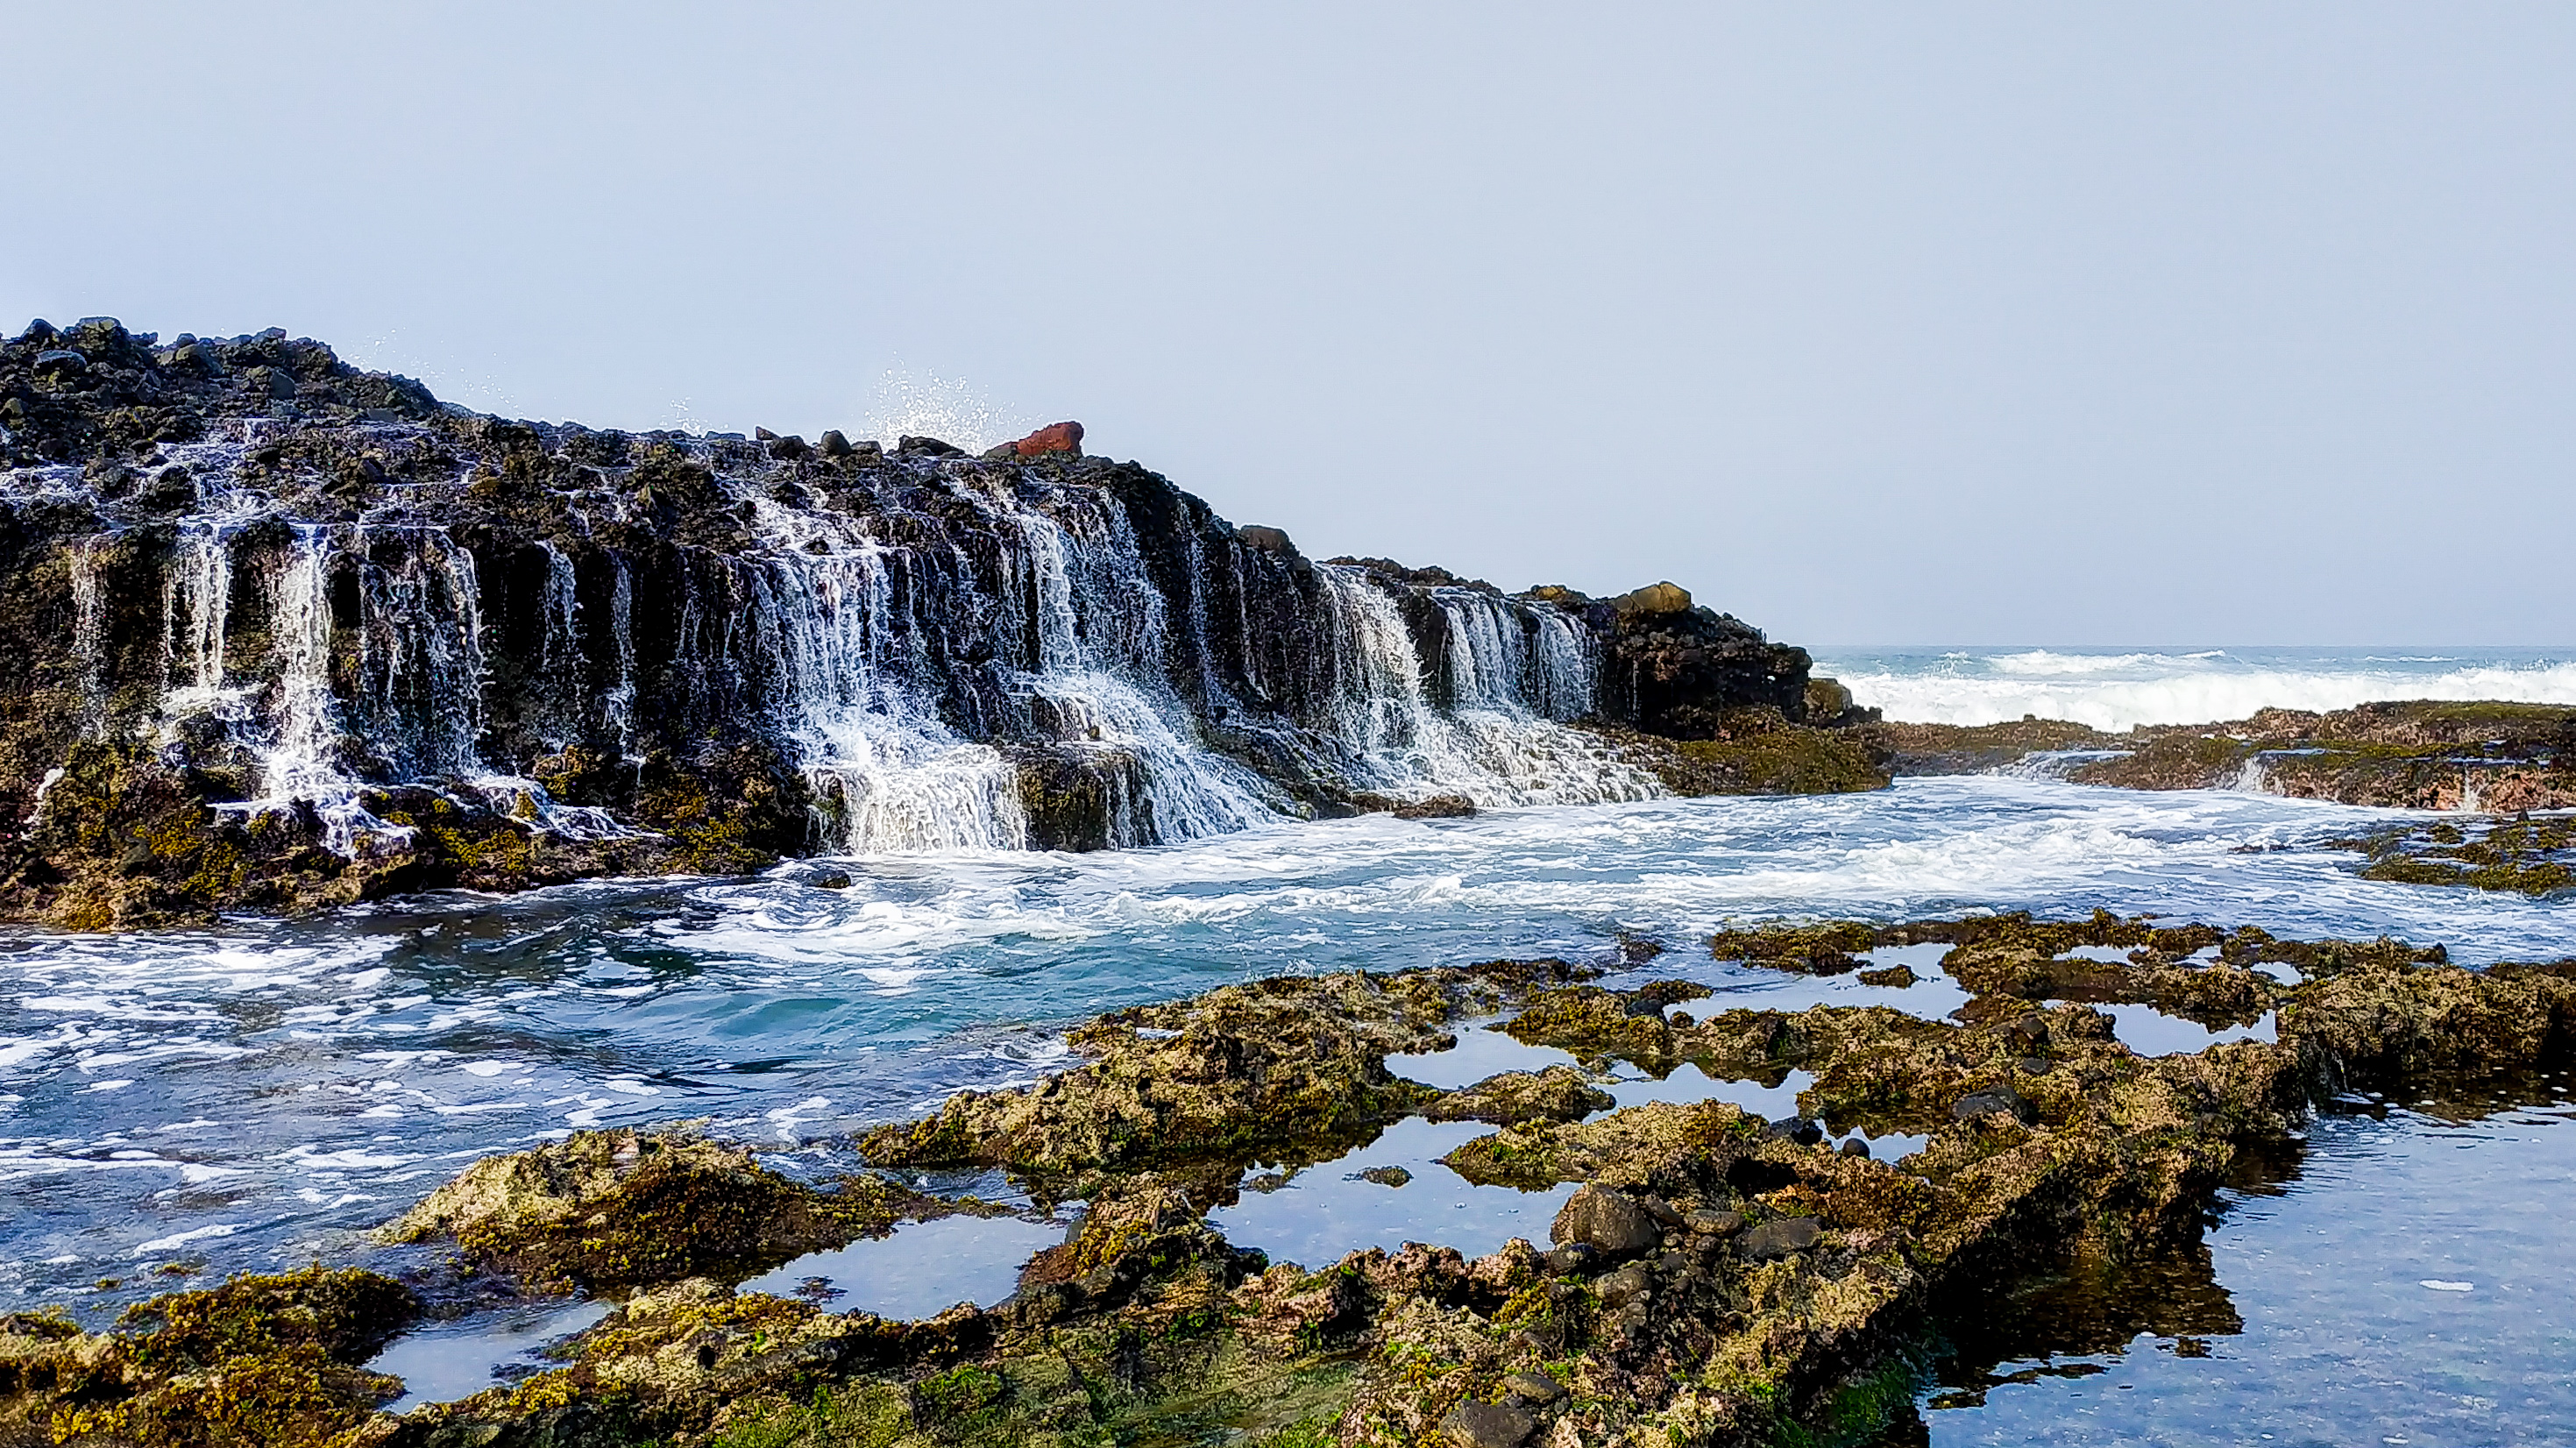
(342, 616)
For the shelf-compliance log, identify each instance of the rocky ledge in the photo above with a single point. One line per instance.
(2499, 760)
(2423, 754)
(290, 634)
(1718, 1278)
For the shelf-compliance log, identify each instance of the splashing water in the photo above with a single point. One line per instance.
(2114, 689)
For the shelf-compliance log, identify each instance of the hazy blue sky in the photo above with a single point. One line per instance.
(1893, 323)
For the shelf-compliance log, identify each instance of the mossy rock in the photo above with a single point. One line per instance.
(261, 1360)
(606, 1209)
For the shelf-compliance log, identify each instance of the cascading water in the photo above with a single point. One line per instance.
(1100, 630)
(1493, 747)
(891, 775)
(931, 657)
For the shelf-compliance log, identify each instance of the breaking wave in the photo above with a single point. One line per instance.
(2115, 690)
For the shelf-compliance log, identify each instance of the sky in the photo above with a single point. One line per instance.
(1882, 323)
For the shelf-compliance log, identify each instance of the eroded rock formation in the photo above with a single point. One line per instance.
(290, 634)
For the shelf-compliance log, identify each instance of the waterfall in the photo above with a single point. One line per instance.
(1100, 647)
(617, 705)
(1492, 747)
(420, 653)
(1513, 657)
(891, 775)
(936, 650)
(203, 581)
(299, 758)
(2253, 777)
(89, 631)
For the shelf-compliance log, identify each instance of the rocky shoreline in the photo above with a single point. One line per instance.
(2496, 758)
(2493, 763)
(296, 635)
(1718, 1278)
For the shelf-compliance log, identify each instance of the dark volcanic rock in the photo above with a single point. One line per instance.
(1489, 1425)
(1781, 1237)
(288, 634)
(1998, 1100)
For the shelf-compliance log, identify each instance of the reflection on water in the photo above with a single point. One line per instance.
(440, 1362)
(922, 1270)
(2151, 1032)
(1316, 1215)
(2404, 1282)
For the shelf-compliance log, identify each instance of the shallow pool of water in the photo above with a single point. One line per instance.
(1318, 1214)
(2405, 1281)
(440, 1362)
(922, 1270)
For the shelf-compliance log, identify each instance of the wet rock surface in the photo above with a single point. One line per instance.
(1714, 1282)
(293, 635)
(2417, 755)
(2498, 758)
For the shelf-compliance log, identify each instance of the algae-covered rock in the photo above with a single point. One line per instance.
(627, 1208)
(1287, 1069)
(2529, 856)
(1826, 949)
(2415, 754)
(268, 1360)
(1559, 1093)
(1754, 751)
(1590, 1021)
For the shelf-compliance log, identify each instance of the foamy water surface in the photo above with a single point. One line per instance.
(255, 1096)
(2116, 688)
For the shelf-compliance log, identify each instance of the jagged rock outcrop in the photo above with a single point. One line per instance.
(291, 634)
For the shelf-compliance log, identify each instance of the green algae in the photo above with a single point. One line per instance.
(608, 1209)
(261, 1360)
(1757, 752)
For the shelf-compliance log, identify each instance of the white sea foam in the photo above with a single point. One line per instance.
(2115, 691)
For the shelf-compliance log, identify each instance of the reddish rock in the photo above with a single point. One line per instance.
(1055, 437)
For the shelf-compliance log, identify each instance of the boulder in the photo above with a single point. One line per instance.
(1055, 437)
(1715, 1222)
(1267, 539)
(1782, 1237)
(1654, 598)
(2000, 1100)
(1606, 1221)
(1537, 1387)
